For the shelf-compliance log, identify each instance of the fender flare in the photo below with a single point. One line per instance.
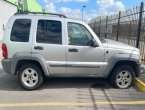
(117, 58)
(28, 56)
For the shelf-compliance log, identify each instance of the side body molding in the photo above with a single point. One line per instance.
(119, 57)
(28, 56)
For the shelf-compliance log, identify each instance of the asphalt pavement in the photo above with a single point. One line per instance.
(68, 94)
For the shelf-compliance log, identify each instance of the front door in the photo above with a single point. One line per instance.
(49, 43)
(81, 58)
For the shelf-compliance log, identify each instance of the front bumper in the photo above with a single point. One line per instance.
(6, 63)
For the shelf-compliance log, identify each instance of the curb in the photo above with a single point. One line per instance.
(139, 84)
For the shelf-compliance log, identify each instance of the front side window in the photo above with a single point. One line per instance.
(21, 30)
(78, 35)
(49, 31)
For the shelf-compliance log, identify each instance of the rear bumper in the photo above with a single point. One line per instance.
(7, 63)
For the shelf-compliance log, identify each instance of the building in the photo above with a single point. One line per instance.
(9, 7)
(28, 5)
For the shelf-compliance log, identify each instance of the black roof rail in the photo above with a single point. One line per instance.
(43, 13)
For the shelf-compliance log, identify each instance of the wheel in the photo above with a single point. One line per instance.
(122, 77)
(30, 76)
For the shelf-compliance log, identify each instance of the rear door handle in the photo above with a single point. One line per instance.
(73, 50)
(38, 48)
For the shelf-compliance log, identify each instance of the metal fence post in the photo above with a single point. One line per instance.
(118, 26)
(139, 25)
(106, 27)
(129, 32)
(94, 26)
(100, 28)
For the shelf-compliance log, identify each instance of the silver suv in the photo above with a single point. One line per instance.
(37, 45)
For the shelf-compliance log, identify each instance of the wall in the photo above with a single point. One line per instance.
(6, 11)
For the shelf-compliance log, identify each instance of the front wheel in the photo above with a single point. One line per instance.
(30, 76)
(122, 77)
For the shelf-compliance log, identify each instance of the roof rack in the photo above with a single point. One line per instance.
(43, 13)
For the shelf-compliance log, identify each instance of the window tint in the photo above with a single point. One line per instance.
(78, 35)
(21, 30)
(49, 31)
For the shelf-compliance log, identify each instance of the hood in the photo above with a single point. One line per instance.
(118, 45)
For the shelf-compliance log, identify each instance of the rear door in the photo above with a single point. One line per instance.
(49, 42)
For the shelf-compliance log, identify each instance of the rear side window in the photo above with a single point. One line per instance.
(21, 30)
(49, 31)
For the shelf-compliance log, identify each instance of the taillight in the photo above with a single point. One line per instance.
(4, 51)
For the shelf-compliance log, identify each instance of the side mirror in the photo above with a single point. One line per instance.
(92, 43)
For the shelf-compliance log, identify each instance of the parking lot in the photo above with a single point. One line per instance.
(68, 94)
(53, 39)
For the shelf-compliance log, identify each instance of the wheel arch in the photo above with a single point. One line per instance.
(25, 61)
(123, 59)
(133, 64)
(22, 58)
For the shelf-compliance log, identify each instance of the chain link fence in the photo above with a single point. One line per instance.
(125, 26)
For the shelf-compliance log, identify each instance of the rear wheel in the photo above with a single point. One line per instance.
(30, 76)
(122, 77)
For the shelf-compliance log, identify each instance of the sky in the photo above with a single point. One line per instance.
(94, 8)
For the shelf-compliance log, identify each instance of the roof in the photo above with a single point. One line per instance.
(41, 13)
(44, 15)
(13, 3)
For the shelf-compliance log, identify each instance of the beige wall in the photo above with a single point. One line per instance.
(6, 11)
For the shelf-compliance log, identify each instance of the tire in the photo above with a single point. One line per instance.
(30, 76)
(122, 77)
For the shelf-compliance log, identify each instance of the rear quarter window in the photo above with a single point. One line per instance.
(20, 30)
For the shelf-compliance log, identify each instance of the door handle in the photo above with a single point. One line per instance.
(38, 48)
(73, 50)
